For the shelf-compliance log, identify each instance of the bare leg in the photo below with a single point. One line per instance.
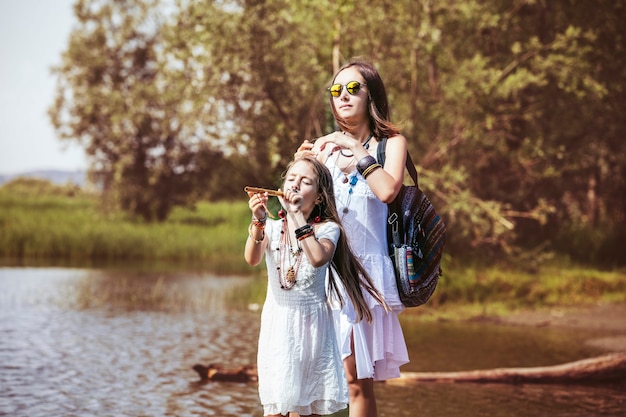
(362, 398)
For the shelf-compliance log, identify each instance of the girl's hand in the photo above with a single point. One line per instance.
(292, 201)
(258, 204)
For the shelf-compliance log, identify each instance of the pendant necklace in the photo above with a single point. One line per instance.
(287, 255)
(352, 179)
(366, 144)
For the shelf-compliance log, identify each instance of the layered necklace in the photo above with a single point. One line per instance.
(352, 179)
(289, 258)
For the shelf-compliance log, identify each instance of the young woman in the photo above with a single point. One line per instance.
(372, 351)
(299, 364)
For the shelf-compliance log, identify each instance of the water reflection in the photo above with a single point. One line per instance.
(489, 400)
(462, 346)
(122, 353)
(164, 292)
(94, 342)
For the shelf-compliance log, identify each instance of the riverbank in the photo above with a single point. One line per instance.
(600, 324)
(606, 321)
(44, 225)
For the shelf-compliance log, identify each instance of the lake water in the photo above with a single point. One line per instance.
(84, 342)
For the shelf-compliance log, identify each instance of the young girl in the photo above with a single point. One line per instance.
(299, 365)
(358, 99)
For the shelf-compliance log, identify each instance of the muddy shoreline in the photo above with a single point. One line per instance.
(606, 321)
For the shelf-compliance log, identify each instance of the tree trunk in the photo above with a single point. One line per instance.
(592, 201)
(608, 367)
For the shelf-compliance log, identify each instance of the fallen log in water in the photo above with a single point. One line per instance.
(608, 367)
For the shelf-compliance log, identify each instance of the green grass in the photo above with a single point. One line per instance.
(50, 225)
(470, 291)
(61, 226)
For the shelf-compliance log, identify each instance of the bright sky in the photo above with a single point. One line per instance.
(33, 33)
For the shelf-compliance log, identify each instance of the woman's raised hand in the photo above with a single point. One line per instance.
(305, 149)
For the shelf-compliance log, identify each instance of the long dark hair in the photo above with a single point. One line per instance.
(379, 115)
(348, 269)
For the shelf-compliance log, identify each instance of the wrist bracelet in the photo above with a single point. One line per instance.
(261, 220)
(256, 242)
(258, 224)
(301, 231)
(309, 234)
(370, 169)
(364, 163)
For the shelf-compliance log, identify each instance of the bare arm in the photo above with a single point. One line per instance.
(386, 182)
(257, 241)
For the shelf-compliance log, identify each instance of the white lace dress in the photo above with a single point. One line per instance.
(299, 364)
(379, 346)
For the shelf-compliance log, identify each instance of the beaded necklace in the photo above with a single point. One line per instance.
(353, 178)
(288, 256)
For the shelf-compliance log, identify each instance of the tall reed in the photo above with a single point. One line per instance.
(69, 227)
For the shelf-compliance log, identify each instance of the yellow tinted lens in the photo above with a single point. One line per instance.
(353, 87)
(335, 90)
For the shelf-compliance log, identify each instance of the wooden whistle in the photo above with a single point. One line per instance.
(275, 193)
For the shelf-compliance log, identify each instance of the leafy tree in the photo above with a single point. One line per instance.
(503, 102)
(537, 88)
(513, 108)
(258, 63)
(119, 98)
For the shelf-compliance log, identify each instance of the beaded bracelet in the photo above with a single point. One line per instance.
(370, 169)
(256, 242)
(258, 224)
(262, 220)
(309, 234)
(301, 231)
(365, 163)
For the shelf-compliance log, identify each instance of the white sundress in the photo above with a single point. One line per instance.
(379, 346)
(299, 364)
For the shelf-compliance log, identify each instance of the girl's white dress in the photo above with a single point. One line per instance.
(379, 346)
(299, 364)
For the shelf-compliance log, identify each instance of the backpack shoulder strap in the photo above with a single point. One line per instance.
(381, 153)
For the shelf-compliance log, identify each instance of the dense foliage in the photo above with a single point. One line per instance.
(513, 108)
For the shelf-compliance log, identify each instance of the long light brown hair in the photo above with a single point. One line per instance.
(344, 265)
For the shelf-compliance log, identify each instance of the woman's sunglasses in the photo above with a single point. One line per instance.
(353, 88)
